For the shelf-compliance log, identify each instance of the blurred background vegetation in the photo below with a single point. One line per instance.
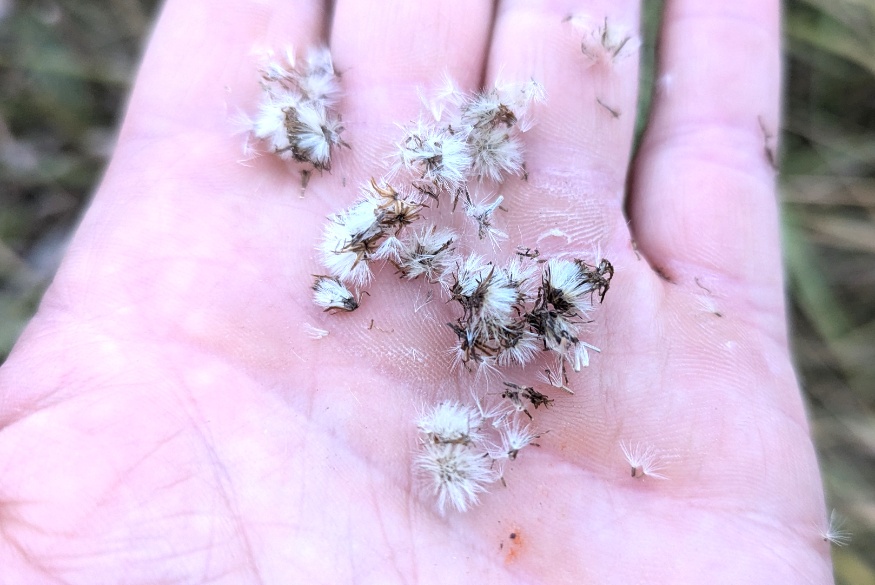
(66, 67)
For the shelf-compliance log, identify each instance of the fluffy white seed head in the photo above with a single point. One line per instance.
(520, 98)
(312, 134)
(457, 474)
(451, 422)
(496, 154)
(567, 287)
(558, 332)
(474, 349)
(330, 294)
(350, 267)
(269, 124)
(318, 81)
(482, 215)
(435, 155)
(389, 249)
(349, 242)
(297, 119)
(520, 273)
(492, 120)
(519, 346)
(427, 252)
(470, 272)
(499, 297)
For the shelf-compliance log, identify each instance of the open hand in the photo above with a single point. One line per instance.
(166, 418)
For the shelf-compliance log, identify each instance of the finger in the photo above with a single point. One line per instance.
(388, 50)
(202, 60)
(176, 215)
(703, 202)
(577, 153)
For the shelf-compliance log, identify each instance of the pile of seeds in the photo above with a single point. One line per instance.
(508, 314)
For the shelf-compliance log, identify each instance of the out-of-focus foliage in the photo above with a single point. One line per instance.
(828, 190)
(66, 67)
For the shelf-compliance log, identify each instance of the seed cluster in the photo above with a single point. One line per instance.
(297, 118)
(503, 324)
(464, 449)
(507, 314)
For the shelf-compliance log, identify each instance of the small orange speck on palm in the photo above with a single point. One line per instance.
(516, 544)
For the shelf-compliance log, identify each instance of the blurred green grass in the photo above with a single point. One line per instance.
(66, 67)
(828, 190)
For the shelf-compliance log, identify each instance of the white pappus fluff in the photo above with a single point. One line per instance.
(437, 156)
(330, 294)
(643, 459)
(457, 459)
(519, 346)
(514, 438)
(569, 288)
(484, 290)
(297, 119)
(427, 252)
(482, 216)
(834, 532)
(493, 120)
(349, 241)
(451, 422)
(505, 315)
(457, 474)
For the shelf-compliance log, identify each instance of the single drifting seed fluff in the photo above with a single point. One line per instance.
(314, 332)
(835, 532)
(297, 118)
(643, 459)
(514, 438)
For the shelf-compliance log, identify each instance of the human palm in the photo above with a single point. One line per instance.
(166, 418)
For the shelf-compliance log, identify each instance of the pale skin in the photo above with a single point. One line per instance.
(166, 418)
